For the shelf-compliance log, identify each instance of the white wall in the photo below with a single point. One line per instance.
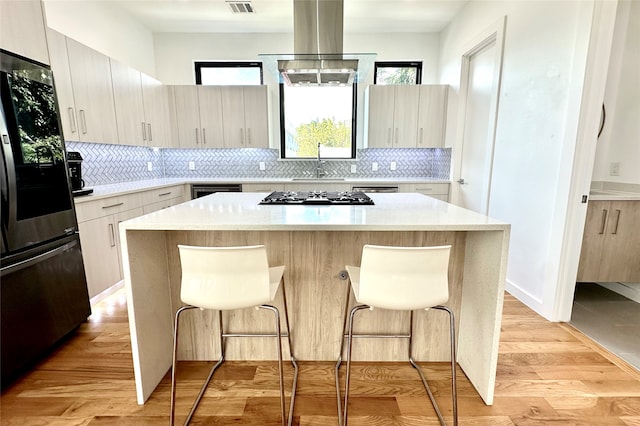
(620, 139)
(176, 52)
(105, 29)
(543, 69)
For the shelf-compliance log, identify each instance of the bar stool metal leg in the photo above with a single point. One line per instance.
(278, 335)
(279, 349)
(339, 362)
(349, 347)
(453, 368)
(174, 365)
(293, 359)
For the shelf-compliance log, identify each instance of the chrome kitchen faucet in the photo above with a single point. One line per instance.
(320, 171)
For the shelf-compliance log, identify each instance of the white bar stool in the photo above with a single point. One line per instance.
(399, 278)
(226, 278)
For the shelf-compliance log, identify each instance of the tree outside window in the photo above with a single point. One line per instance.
(398, 73)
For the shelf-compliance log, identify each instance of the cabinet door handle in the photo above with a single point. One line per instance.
(83, 122)
(248, 136)
(149, 132)
(420, 140)
(604, 221)
(144, 132)
(615, 229)
(164, 193)
(112, 205)
(397, 136)
(389, 141)
(204, 136)
(197, 139)
(112, 235)
(241, 136)
(72, 120)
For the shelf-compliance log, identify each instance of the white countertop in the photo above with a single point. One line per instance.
(122, 188)
(610, 195)
(241, 211)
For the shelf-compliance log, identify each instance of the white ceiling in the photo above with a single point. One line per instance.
(277, 15)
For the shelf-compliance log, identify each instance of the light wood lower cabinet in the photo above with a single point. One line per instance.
(435, 190)
(262, 187)
(98, 223)
(100, 242)
(611, 242)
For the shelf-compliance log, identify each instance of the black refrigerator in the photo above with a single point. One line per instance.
(43, 288)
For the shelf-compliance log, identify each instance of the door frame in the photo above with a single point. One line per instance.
(572, 227)
(495, 33)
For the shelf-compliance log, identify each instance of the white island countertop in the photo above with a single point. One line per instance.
(315, 243)
(242, 211)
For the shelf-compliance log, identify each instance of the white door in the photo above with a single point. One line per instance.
(479, 88)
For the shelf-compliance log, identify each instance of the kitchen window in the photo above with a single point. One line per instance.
(407, 72)
(229, 73)
(312, 115)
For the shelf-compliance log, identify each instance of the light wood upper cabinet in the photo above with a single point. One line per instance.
(381, 100)
(210, 110)
(129, 106)
(611, 242)
(23, 29)
(393, 116)
(62, 81)
(244, 110)
(142, 109)
(432, 116)
(156, 111)
(198, 115)
(186, 113)
(92, 93)
(406, 116)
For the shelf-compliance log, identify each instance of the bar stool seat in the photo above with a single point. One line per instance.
(398, 278)
(227, 278)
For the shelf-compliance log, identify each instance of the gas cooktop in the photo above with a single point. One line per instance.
(317, 198)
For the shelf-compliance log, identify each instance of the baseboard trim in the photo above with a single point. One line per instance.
(106, 293)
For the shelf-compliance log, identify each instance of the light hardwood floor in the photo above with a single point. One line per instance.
(548, 373)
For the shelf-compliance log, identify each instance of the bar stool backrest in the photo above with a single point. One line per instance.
(224, 277)
(404, 278)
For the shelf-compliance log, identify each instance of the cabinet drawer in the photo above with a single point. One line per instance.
(161, 194)
(426, 188)
(262, 187)
(106, 206)
(150, 208)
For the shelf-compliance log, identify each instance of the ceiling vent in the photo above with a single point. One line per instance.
(241, 6)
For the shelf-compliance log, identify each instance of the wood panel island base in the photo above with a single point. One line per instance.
(315, 243)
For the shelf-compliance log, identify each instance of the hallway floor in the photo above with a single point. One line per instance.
(610, 319)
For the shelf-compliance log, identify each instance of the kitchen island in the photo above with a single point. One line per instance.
(315, 242)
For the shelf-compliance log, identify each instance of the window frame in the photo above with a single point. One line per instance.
(199, 65)
(354, 128)
(398, 64)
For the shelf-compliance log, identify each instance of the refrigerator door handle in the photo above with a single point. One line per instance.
(39, 258)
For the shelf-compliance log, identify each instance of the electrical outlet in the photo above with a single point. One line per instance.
(353, 168)
(262, 166)
(149, 166)
(392, 166)
(374, 167)
(614, 169)
(192, 165)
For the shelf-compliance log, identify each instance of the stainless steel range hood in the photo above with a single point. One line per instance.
(317, 42)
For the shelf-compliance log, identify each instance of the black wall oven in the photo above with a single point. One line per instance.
(43, 287)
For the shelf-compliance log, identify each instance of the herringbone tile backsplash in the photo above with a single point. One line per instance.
(104, 164)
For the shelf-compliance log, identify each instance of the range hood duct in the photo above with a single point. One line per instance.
(318, 26)
(317, 40)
